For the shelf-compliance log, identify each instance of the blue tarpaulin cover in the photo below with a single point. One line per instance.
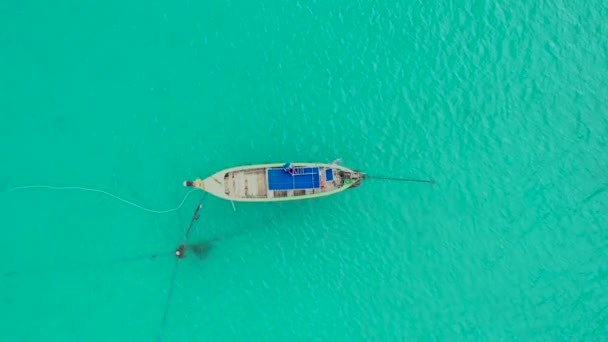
(305, 178)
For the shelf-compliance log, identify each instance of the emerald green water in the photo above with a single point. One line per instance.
(504, 105)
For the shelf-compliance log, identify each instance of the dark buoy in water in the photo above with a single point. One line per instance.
(180, 252)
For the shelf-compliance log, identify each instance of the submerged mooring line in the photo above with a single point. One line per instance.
(168, 302)
(65, 267)
(195, 217)
(180, 253)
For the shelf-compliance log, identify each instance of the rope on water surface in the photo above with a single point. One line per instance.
(62, 188)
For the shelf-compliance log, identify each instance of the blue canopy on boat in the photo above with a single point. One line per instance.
(304, 178)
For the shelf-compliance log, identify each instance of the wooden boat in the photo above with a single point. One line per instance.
(279, 182)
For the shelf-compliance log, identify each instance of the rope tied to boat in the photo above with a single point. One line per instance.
(429, 181)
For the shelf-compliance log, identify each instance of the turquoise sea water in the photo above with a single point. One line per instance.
(503, 104)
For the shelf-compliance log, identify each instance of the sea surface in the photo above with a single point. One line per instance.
(503, 104)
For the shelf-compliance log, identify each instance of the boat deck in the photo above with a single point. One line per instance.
(251, 183)
(276, 182)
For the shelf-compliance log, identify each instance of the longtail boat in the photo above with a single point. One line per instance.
(279, 182)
